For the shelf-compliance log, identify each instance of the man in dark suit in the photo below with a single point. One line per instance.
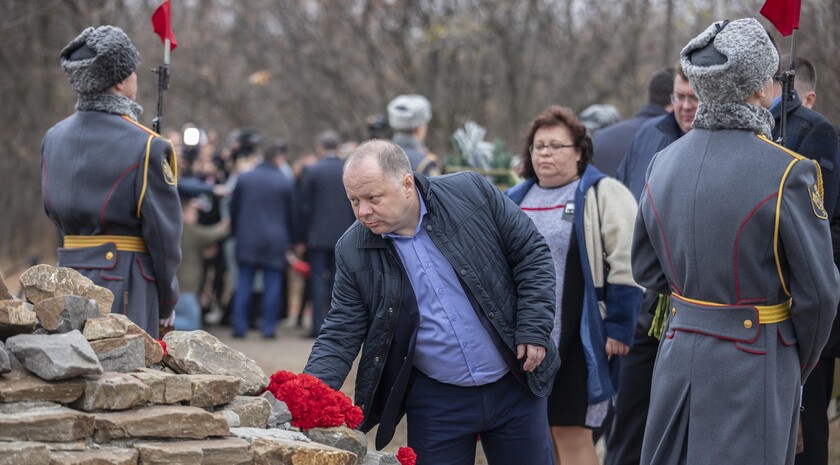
(262, 215)
(611, 143)
(325, 215)
(808, 133)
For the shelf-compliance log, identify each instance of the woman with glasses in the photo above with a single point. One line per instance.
(587, 219)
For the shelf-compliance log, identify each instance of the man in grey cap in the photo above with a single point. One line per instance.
(733, 228)
(409, 116)
(110, 184)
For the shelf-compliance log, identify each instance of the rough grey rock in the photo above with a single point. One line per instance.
(19, 453)
(104, 328)
(198, 352)
(104, 456)
(55, 357)
(153, 350)
(280, 413)
(43, 421)
(213, 390)
(64, 313)
(252, 411)
(5, 361)
(16, 318)
(42, 282)
(4, 290)
(232, 418)
(166, 388)
(113, 391)
(159, 421)
(341, 437)
(20, 386)
(276, 451)
(249, 434)
(122, 354)
(228, 451)
(380, 458)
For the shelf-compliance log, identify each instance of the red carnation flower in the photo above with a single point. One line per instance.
(162, 344)
(406, 456)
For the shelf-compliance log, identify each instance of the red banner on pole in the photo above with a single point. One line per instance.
(784, 14)
(162, 22)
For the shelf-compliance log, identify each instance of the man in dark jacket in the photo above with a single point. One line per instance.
(611, 143)
(261, 212)
(110, 184)
(451, 289)
(808, 133)
(624, 443)
(325, 215)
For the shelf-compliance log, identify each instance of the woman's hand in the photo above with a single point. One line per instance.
(615, 347)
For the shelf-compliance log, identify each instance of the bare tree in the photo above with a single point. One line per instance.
(295, 67)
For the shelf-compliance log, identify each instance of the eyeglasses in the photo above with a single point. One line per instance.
(677, 98)
(552, 148)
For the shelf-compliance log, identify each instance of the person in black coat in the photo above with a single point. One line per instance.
(611, 143)
(325, 215)
(262, 216)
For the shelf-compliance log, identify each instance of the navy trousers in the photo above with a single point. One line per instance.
(444, 422)
(273, 289)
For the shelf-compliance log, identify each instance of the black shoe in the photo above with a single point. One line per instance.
(238, 336)
(269, 336)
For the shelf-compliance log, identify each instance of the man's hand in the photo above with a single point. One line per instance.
(535, 355)
(615, 347)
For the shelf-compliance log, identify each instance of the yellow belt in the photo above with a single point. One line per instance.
(123, 243)
(766, 313)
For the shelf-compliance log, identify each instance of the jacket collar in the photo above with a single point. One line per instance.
(776, 110)
(650, 110)
(669, 127)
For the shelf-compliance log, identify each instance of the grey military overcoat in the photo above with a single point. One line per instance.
(109, 185)
(733, 227)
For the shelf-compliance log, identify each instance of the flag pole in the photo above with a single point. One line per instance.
(163, 84)
(787, 78)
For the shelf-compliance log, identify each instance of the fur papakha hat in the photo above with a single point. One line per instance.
(407, 112)
(99, 58)
(729, 61)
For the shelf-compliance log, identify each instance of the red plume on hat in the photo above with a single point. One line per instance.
(784, 14)
(162, 23)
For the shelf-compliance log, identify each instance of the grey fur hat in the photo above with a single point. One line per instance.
(99, 58)
(729, 61)
(407, 112)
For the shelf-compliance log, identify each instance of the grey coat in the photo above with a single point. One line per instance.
(98, 178)
(728, 218)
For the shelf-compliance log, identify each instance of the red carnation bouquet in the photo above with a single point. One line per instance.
(313, 404)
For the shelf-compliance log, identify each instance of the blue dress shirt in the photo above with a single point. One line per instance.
(452, 345)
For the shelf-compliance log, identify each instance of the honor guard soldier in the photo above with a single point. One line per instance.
(110, 184)
(732, 227)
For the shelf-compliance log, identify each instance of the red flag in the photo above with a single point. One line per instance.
(784, 14)
(162, 22)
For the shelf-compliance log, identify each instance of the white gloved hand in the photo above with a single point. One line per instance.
(168, 322)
